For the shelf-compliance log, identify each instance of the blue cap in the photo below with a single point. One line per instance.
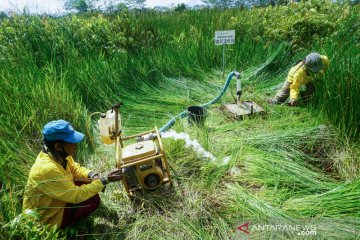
(314, 62)
(61, 130)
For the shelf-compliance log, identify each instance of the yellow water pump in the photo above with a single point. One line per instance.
(144, 163)
(142, 156)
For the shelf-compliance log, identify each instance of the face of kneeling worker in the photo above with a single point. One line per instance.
(68, 148)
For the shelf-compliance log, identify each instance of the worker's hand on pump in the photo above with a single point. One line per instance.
(114, 175)
(93, 176)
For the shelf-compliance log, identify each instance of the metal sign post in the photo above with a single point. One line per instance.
(224, 38)
(224, 59)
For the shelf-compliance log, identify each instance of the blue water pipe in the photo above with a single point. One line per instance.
(183, 114)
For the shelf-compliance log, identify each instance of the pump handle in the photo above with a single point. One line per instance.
(116, 106)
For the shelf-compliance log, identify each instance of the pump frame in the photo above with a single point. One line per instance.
(160, 154)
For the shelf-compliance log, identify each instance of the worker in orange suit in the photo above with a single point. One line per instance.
(60, 190)
(304, 72)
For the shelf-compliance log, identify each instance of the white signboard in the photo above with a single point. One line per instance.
(224, 37)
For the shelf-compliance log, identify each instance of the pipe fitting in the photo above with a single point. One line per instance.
(150, 136)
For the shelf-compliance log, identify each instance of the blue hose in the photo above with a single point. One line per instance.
(183, 114)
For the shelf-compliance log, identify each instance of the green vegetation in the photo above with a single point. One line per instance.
(293, 166)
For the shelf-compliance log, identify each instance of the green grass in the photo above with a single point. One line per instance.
(291, 166)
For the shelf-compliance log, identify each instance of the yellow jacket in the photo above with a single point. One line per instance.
(50, 187)
(298, 75)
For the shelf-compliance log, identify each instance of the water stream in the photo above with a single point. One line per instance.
(192, 143)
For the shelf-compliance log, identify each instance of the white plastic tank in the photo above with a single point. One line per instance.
(107, 126)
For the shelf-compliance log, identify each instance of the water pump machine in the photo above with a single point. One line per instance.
(141, 157)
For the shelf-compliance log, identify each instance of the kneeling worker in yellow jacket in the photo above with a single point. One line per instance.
(304, 72)
(58, 188)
